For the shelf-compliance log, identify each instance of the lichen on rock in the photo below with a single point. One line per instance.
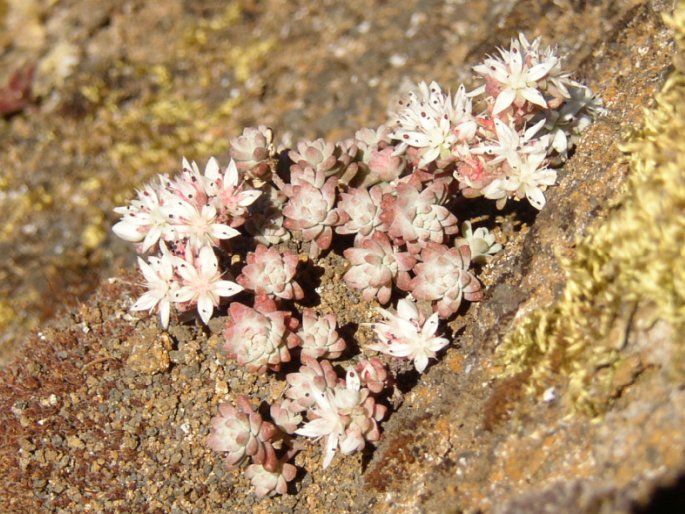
(625, 280)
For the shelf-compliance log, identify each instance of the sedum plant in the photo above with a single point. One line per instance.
(442, 276)
(375, 266)
(271, 273)
(345, 417)
(390, 199)
(260, 338)
(241, 433)
(271, 482)
(481, 242)
(319, 336)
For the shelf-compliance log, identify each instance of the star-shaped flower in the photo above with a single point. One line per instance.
(202, 284)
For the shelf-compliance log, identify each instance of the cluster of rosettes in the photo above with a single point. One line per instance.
(242, 434)
(343, 413)
(388, 198)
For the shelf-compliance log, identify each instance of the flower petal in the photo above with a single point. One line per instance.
(504, 100)
(535, 197)
(128, 231)
(205, 306)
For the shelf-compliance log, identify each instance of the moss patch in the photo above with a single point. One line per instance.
(629, 261)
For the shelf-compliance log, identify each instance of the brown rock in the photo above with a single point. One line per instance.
(149, 352)
(465, 439)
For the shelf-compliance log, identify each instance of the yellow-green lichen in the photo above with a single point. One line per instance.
(147, 133)
(633, 259)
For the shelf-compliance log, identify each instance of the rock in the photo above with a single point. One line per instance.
(476, 433)
(149, 353)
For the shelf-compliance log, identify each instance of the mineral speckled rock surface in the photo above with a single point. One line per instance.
(103, 412)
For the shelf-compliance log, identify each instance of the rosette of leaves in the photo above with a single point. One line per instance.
(241, 433)
(271, 272)
(260, 338)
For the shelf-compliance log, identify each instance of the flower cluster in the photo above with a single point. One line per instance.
(193, 281)
(344, 416)
(183, 220)
(390, 198)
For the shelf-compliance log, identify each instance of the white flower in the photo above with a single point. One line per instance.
(495, 190)
(161, 285)
(145, 219)
(406, 334)
(529, 178)
(434, 122)
(566, 123)
(192, 171)
(191, 185)
(227, 191)
(519, 73)
(312, 378)
(200, 227)
(202, 284)
(510, 143)
(346, 417)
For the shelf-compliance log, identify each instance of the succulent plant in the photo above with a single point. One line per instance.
(252, 151)
(481, 242)
(319, 336)
(286, 415)
(359, 212)
(385, 165)
(416, 215)
(241, 433)
(266, 482)
(373, 374)
(265, 220)
(381, 160)
(259, 339)
(306, 175)
(271, 272)
(375, 265)
(368, 139)
(395, 187)
(474, 173)
(312, 378)
(442, 276)
(309, 213)
(319, 155)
